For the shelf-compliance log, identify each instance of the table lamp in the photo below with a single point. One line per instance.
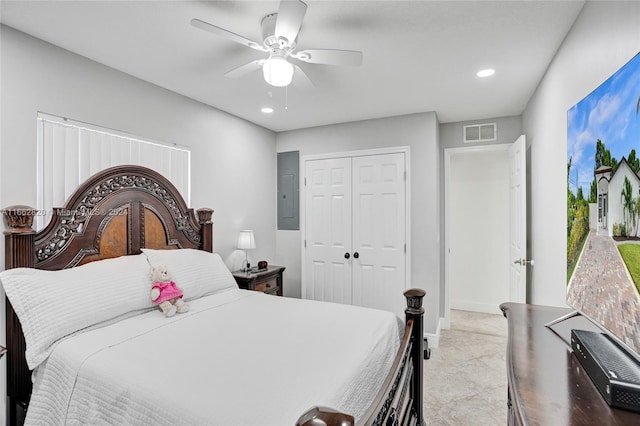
(246, 241)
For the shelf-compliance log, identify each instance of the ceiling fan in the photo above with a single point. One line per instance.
(279, 32)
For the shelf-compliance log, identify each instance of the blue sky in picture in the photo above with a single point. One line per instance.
(609, 113)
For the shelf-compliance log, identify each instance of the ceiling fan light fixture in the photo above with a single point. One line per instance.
(277, 71)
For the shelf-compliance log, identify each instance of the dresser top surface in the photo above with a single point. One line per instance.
(549, 385)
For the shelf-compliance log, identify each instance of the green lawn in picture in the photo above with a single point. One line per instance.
(631, 256)
(573, 265)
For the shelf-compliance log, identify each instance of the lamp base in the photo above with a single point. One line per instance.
(246, 262)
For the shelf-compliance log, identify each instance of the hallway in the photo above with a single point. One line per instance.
(465, 381)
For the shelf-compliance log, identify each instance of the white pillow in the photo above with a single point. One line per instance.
(53, 304)
(196, 272)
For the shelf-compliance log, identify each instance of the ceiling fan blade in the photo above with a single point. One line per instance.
(301, 80)
(227, 34)
(290, 16)
(330, 57)
(245, 69)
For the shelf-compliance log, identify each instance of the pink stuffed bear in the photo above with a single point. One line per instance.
(165, 293)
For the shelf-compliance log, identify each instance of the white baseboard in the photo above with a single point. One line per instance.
(434, 338)
(445, 323)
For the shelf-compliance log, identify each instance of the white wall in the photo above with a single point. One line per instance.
(604, 37)
(37, 76)
(420, 133)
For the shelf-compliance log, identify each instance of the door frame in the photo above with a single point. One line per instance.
(358, 153)
(445, 321)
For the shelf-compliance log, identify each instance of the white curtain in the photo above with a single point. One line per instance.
(69, 152)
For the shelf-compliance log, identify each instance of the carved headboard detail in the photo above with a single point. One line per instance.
(115, 212)
(108, 216)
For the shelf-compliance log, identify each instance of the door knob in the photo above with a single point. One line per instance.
(347, 255)
(523, 262)
(356, 255)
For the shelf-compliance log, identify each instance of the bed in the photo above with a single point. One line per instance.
(236, 357)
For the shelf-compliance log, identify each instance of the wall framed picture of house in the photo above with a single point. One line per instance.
(603, 205)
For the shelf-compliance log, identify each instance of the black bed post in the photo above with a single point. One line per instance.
(415, 312)
(206, 229)
(19, 240)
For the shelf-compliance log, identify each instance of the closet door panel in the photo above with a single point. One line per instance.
(328, 230)
(379, 233)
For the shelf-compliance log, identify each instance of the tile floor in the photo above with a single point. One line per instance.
(465, 380)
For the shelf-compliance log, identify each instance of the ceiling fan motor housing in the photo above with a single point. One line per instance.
(270, 41)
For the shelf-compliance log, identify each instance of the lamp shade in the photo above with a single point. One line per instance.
(246, 240)
(277, 71)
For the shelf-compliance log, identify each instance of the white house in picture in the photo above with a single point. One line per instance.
(610, 200)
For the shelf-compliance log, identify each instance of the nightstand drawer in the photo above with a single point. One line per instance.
(268, 280)
(268, 286)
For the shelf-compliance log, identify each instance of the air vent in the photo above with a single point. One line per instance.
(480, 133)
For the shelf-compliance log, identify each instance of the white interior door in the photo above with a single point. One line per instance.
(379, 231)
(518, 221)
(328, 230)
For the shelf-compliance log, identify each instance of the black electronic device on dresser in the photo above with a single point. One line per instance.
(267, 280)
(614, 372)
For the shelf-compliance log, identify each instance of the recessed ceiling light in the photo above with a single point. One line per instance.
(486, 72)
(267, 110)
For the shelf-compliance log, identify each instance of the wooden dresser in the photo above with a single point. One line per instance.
(547, 384)
(268, 281)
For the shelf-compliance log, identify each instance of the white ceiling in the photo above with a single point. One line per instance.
(418, 55)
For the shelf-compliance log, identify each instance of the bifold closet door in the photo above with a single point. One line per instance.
(379, 231)
(328, 230)
(355, 231)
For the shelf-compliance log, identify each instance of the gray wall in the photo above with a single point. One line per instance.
(420, 133)
(508, 130)
(604, 37)
(37, 76)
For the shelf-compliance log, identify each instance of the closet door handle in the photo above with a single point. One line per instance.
(356, 255)
(347, 255)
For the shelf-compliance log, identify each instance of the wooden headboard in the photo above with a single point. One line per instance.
(116, 212)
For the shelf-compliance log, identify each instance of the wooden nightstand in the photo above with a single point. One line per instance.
(267, 280)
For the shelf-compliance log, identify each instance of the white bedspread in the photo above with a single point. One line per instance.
(237, 358)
